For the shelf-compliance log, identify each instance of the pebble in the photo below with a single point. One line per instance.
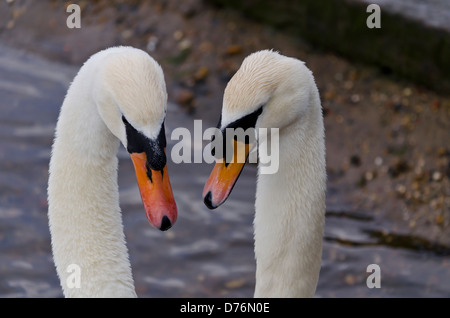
(184, 97)
(399, 168)
(350, 279)
(355, 98)
(330, 94)
(126, 34)
(369, 175)
(234, 49)
(417, 196)
(185, 44)
(178, 35)
(236, 283)
(440, 219)
(442, 152)
(201, 73)
(434, 204)
(378, 161)
(355, 160)
(400, 189)
(407, 91)
(348, 85)
(206, 47)
(436, 176)
(152, 43)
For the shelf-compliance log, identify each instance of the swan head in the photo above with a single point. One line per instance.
(270, 82)
(268, 91)
(130, 94)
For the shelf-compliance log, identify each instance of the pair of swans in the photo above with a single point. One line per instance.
(119, 96)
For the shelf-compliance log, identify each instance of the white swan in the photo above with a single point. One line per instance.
(273, 91)
(119, 95)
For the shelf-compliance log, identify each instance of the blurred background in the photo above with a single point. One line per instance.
(387, 116)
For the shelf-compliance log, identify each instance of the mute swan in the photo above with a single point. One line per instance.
(119, 95)
(273, 91)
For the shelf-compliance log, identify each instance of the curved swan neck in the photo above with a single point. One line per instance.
(84, 213)
(290, 211)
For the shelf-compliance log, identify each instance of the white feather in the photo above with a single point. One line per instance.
(84, 214)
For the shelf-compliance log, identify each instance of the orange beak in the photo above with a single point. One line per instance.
(156, 193)
(224, 176)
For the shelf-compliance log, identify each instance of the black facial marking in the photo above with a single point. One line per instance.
(248, 121)
(153, 148)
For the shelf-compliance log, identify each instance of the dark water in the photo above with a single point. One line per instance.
(207, 253)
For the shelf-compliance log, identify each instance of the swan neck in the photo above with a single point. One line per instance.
(85, 221)
(290, 210)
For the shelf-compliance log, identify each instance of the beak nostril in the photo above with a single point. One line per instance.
(165, 223)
